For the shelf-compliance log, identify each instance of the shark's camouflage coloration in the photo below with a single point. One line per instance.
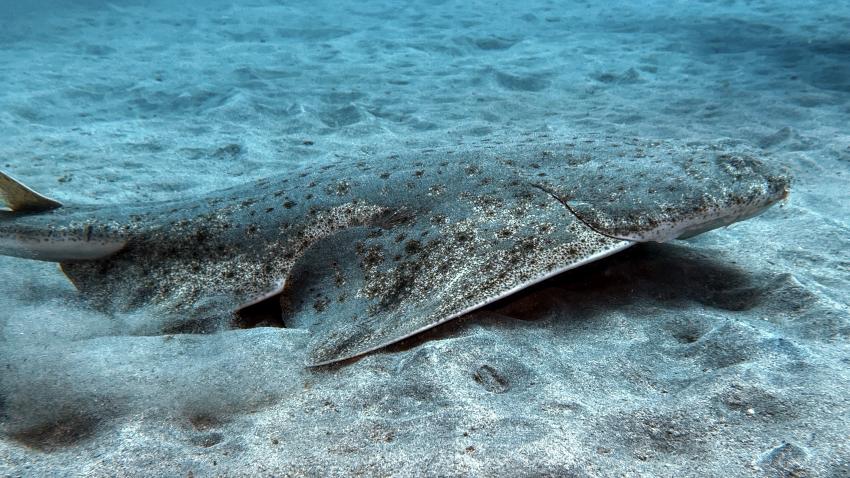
(368, 252)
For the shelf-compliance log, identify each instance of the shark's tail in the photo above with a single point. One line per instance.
(33, 226)
(19, 198)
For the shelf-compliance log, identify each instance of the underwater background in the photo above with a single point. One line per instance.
(722, 355)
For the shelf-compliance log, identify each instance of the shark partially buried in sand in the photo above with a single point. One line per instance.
(367, 253)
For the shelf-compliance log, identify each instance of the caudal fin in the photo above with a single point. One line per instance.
(19, 198)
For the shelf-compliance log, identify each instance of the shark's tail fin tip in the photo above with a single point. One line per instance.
(17, 197)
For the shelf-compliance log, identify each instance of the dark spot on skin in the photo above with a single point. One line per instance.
(394, 217)
(339, 278)
(418, 173)
(525, 195)
(577, 161)
(463, 236)
(527, 245)
(269, 209)
(384, 175)
(289, 204)
(321, 304)
(472, 169)
(437, 189)
(412, 246)
(374, 256)
(359, 247)
(438, 219)
(341, 188)
(251, 229)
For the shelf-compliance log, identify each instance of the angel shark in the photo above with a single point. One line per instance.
(365, 253)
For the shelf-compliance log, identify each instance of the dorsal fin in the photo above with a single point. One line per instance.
(18, 197)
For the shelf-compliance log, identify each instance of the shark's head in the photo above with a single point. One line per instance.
(657, 191)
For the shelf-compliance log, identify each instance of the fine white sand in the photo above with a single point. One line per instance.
(723, 355)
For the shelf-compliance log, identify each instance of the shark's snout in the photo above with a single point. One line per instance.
(654, 194)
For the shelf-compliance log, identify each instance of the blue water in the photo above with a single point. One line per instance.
(138, 101)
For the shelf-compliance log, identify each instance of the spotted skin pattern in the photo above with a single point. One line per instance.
(366, 252)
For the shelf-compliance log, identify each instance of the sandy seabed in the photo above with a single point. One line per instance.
(723, 355)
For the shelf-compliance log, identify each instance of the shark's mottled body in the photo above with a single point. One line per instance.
(369, 252)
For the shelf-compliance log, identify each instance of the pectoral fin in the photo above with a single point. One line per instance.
(358, 292)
